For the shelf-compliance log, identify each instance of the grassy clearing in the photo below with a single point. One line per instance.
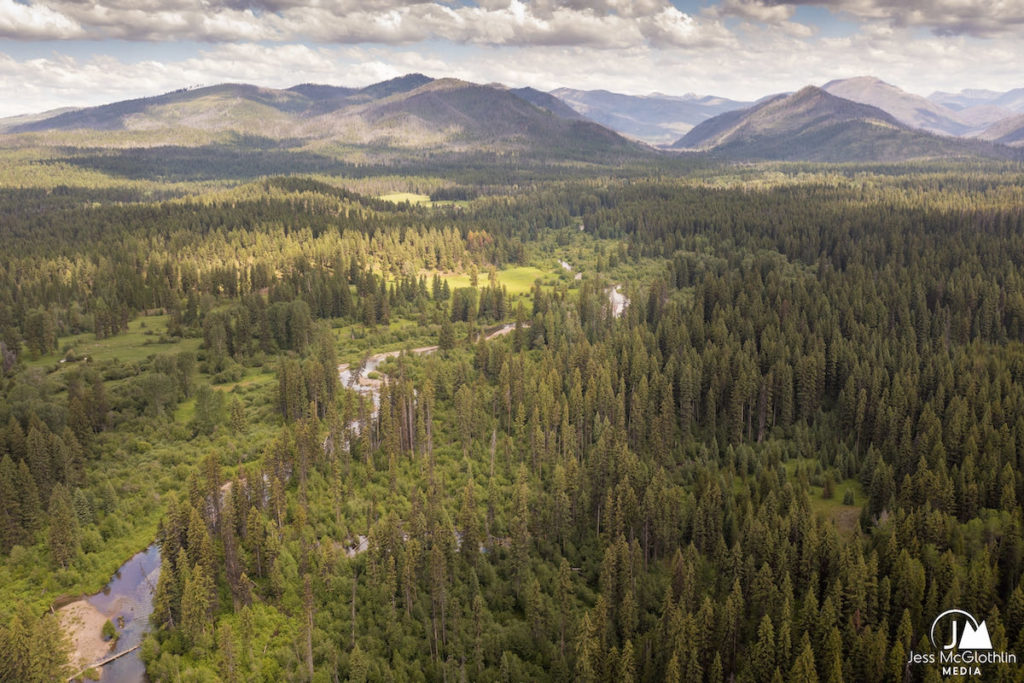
(846, 517)
(140, 341)
(518, 280)
(253, 380)
(411, 197)
(417, 199)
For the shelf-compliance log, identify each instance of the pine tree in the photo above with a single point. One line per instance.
(715, 672)
(762, 661)
(229, 667)
(51, 650)
(11, 531)
(167, 599)
(195, 607)
(588, 657)
(63, 535)
(39, 459)
(468, 525)
(83, 508)
(832, 657)
(238, 421)
(672, 670)
(803, 670)
(16, 638)
(626, 670)
(358, 666)
(446, 340)
(897, 669)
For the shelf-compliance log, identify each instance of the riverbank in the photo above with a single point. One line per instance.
(84, 625)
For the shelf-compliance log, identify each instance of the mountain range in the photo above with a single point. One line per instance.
(856, 119)
(968, 118)
(1012, 100)
(413, 112)
(815, 125)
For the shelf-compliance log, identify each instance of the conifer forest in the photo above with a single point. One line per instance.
(508, 418)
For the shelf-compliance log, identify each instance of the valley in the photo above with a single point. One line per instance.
(430, 380)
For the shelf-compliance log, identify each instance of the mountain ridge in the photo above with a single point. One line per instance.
(417, 113)
(411, 111)
(912, 110)
(815, 125)
(1008, 132)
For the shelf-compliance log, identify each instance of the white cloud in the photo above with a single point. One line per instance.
(944, 17)
(670, 27)
(604, 23)
(756, 10)
(150, 21)
(600, 23)
(35, 22)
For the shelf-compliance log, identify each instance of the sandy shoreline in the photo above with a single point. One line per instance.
(84, 624)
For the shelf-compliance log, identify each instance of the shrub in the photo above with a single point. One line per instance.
(108, 630)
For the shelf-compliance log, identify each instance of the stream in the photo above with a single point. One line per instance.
(361, 382)
(129, 596)
(127, 599)
(618, 300)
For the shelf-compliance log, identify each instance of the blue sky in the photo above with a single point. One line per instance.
(57, 53)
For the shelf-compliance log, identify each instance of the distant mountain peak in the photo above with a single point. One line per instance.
(396, 85)
(808, 93)
(813, 124)
(909, 109)
(656, 118)
(863, 80)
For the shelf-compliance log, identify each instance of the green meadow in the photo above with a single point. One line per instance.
(145, 337)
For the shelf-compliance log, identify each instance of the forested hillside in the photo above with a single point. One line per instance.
(800, 442)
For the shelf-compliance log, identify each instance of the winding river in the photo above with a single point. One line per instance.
(127, 599)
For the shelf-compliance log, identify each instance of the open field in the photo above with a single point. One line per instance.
(142, 340)
(518, 280)
(846, 517)
(411, 197)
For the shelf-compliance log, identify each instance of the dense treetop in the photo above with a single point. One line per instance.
(801, 442)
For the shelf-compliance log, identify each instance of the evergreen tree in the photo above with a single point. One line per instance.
(803, 670)
(196, 606)
(63, 533)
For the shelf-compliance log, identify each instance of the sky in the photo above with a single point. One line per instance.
(59, 53)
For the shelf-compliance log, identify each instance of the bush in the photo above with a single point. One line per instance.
(232, 372)
(848, 498)
(108, 630)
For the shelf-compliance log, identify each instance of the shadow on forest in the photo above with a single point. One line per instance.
(208, 162)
